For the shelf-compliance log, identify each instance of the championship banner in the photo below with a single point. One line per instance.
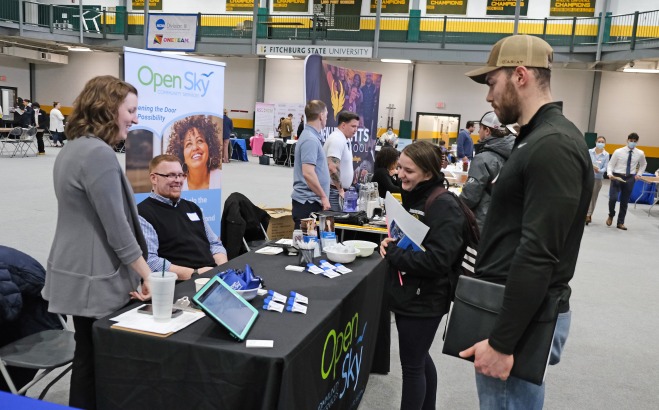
(572, 8)
(171, 32)
(348, 89)
(506, 8)
(240, 5)
(446, 7)
(153, 5)
(290, 6)
(179, 97)
(391, 6)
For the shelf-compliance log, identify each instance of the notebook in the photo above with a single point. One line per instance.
(226, 307)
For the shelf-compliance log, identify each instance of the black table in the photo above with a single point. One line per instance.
(319, 358)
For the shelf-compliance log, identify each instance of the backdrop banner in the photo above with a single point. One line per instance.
(264, 119)
(179, 97)
(353, 90)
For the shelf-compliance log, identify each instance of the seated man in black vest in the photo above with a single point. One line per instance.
(174, 228)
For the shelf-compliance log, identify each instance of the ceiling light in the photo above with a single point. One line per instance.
(281, 57)
(641, 70)
(76, 48)
(397, 61)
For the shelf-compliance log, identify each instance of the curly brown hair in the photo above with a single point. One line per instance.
(206, 127)
(96, 109)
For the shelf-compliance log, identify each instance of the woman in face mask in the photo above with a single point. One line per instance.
(600, 159)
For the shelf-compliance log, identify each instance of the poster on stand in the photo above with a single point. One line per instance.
(342, 88)
(180, 99)
(264, 120)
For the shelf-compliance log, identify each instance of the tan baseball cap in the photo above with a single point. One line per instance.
(514, 51)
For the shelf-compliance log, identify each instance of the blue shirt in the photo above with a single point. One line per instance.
(227, 127)
(309, 150)
(600, 161)
(465, 145)
(153, 260)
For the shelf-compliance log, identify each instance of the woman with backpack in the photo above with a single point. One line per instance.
(419, 288)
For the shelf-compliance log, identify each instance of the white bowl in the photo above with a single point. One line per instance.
(365, 248)
(248, 294)
(340, 257)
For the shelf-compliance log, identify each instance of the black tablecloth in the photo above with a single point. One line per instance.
(319, 360)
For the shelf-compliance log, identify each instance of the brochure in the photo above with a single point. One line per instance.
(407, 230)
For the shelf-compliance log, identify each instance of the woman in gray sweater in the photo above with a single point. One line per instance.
(95, 262)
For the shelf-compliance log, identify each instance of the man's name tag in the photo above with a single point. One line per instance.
(193, 216)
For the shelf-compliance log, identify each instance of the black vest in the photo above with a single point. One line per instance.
(180, 240)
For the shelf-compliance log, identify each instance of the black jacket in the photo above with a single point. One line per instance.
(531, 237)
(385, 182)
(240, 219)
(426, 290)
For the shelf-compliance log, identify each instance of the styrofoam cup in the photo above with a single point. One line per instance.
(200, 283)
(162, 295)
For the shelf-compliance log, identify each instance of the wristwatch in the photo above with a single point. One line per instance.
(195, 271)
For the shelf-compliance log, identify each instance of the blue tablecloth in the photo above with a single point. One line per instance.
(239, 149)
(643, 197)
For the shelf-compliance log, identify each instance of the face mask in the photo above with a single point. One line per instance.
(389, 132)
(600, 145)
(631, 144)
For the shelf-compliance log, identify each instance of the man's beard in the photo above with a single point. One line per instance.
(509, 108)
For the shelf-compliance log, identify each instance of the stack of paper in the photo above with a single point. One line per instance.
(133, 320)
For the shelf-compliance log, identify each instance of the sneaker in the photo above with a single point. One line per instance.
(621, 226)
(609, 221)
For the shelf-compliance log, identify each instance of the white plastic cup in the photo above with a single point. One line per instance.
(162, 295)
(200, 283)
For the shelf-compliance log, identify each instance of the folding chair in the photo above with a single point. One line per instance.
(258, 242)
(13, 138)
(48, 137)
(28, 141)
(44, 351)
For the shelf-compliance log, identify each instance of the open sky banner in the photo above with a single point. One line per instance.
(180, 100)
(347, 89)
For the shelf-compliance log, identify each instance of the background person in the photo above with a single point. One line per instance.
(465, 151)
(422, 296)
(287, 127)
(311, 179)
(41, 121)
(495, 146)
(95, 262)
(227, 129)
(339, 157)
(531, 237)
(386, 162)
(600, 159)
(57, 125)
(175, 230)
(195, 141)
(627, 163)
(389, 138)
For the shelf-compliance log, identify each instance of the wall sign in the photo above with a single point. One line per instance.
(572, 8)
(446, 7)
(506, 8)
(153, 5)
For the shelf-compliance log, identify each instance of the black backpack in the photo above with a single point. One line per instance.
(470, 233)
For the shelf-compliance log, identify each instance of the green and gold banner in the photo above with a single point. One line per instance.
(572, 8)
(446, 7)
(506, 8)
(240, 5)
(290, 6)
(392, 6)
(153, 5)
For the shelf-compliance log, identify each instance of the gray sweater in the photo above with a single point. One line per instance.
(97, 233)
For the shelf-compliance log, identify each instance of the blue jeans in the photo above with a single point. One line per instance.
(517, 394)
(335, 200)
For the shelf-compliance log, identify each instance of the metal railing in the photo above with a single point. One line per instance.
(570, 32)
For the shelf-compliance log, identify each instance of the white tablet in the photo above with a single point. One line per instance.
(226, 307)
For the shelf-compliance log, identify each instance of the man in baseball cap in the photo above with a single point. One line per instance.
(532, 233)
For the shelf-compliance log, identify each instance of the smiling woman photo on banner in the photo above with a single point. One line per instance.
(195, 140)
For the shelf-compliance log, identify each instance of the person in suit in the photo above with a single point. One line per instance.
(95, 264)
(627, 165)
(41, 121)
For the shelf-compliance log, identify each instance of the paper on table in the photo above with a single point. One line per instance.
(284, 241)
(411, 227)
(270, 250)
(139, 321)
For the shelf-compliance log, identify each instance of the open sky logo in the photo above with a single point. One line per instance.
(160, 24)
(189, 81)
(343, 349)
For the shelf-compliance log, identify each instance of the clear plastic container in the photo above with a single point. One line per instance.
(350, 203)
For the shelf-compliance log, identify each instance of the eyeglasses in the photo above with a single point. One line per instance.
(171, 177)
